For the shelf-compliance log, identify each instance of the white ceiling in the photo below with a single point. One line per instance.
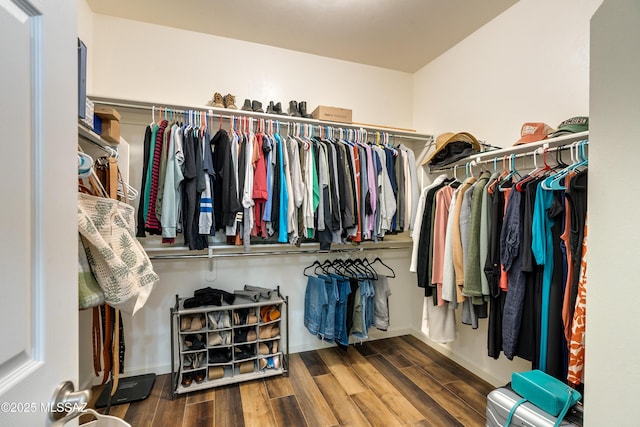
(402, 35)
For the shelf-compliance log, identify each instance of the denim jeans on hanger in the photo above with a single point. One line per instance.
(341, 332)
(315, 302)
(328, 318)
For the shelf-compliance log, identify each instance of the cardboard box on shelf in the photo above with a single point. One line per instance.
(106, 113)
(110, 118)
(111, 131)
(332, 114)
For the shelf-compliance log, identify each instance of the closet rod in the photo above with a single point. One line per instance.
(270, 253)
(225, 113)
(538, 151)
(489, 156)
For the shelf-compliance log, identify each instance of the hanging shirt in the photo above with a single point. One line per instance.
(542, 247)
(172, 181)
(283, 231)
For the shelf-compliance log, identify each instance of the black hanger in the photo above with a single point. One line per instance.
(315, 263)
(390, 269)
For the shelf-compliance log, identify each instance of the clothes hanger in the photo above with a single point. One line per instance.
(506, 183)
(315, 263)
(580, 160)
(85, 165)
(377, 259)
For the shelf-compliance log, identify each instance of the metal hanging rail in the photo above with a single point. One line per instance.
(518, 151)
(212, 255)
(226, 113)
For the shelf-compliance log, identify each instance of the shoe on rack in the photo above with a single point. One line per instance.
(246, 367)
(230, 102)
(293, 109)
(187, 379)
(214, 339)
(247, 105)
(199, 376)
(302, 108)
(185, 323)
(226, 337)
(244, 351)
(188, 361)
(256, 106)
(269, 313)
(197, 323)
(216, 101)
(194, 342)
(219, 355)
(215, 372)
(263, 348)
(245, 335)
(213, 321)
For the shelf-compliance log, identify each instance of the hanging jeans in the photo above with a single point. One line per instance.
(341, 332)
(315, 304)
(328, 316)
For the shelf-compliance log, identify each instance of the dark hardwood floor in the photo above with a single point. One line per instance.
(390, 382)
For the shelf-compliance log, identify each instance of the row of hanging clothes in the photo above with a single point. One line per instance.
(254, 181)
(509, 247)
(346, 297)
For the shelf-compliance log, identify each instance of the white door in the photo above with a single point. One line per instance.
(38, 173)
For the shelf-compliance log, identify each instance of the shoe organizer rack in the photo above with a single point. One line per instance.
(213, 346)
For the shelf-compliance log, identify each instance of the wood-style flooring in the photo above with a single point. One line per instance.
(390, 382)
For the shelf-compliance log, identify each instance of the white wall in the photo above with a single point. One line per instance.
(149, 62)
(612, 314)
(531, 63)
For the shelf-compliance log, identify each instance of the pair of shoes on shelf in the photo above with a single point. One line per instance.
(190, 377)
(219, 101)
(269, 313)
(193, 360)
(275, 109)
(219, 338)
(219, 355)
(244, 352)
(255, 106)
(219, 319)
(228, 297)
(245, 335)
(216, 101)
(191, 323)
(268, 331)
(230, 102)
(265, 293)
(272, 362)
(194, 342)
(268, 347)
(245, 316)
(298, 109)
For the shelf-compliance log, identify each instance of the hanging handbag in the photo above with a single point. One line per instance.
(90, 294)
(118, 261)
(546, 392)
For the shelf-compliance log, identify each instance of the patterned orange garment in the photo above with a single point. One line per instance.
(576, 346)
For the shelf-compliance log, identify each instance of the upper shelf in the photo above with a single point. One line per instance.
(89, 135)
(226, 113)
(530, 147)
